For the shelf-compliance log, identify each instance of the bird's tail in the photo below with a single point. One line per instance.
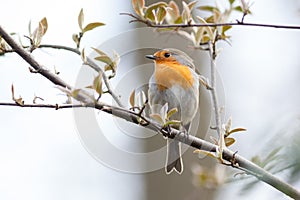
(174, 160)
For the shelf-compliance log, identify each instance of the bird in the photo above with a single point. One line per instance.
(174, 82)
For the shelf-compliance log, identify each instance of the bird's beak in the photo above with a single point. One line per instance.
(152, 57)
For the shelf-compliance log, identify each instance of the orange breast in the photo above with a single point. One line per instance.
(168, 74)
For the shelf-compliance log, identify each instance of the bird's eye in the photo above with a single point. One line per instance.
(167, 55)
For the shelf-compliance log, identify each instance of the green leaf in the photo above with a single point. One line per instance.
(206, 8)
(39, 32)
(192, 4)
(208, 29)
(104, 59)
(75, 93)
(150, 15)
(132, 98)
(81, 19)
(178, 20)
(172, 112)
(206, 153)
(109, 67)
(97, 84)
(236, 130)
(174, 11)
(99, 51)
(157, 118)
(91, 26)
(75, 39)
(231, 1)
(186, 13)
(44, 24)
(116, 58)
(226, 28)
(229, 141)
(19, 101)
(238, 8)
(161, 14)
(83, 57)
(172, 122)
(150, 11)
(164, 111)
(138, 6)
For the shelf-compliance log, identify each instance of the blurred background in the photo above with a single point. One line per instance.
(42, 156)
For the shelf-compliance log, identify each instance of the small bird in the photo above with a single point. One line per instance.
(176, 83)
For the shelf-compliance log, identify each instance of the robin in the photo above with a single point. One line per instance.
(176, 83)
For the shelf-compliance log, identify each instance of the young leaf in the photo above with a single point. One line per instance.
(138, 6)
(164, 111)
(91, 26)
(225, 28)
(104, 59)
(75, 92)
(172, 112)
(229, 141)
(186, 13)
(75, 39)
(116, 58)
(97, 84)
(83, 56)
(236, 130)
(161, 14)
(99, 51)
(44, 24)
(132, 98)
(192, 4)
(207, 153)
(174, 11)
(157, 118)
(208, 29)
(231, 1)
(39, 32)
(238, 8)
(150, 15)
(172, 122)
(149, 12)
(81, 19)
(206, 8)
(19, 101)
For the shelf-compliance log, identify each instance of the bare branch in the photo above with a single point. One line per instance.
(237, 23)
(91, 64)
(29, 59)
(218, 125)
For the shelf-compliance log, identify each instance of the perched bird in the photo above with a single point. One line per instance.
(176, 83)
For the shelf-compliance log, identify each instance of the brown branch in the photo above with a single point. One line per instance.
(237, 23)
(228, 155)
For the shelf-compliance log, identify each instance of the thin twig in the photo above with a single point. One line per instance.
(89, 62)
(218, 125)
(237, 23)
(29, 59)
